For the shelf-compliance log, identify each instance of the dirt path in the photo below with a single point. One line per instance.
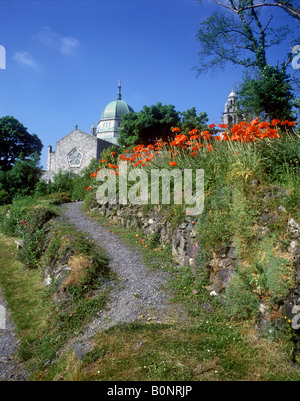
(138, 295)
(10, 368)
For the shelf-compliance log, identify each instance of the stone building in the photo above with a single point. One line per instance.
(230, 115)
(75, 150)
(109, 125)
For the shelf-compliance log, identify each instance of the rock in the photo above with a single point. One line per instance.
(294, 228)
(223, 263)
(293, 245)
(289, 305)
(262, 308)
(232, 253)
(207, 306)
(216, 286)
(224, 275)
(80, 350)
(281, 209)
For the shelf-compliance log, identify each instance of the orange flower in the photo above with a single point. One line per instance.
(193, 153)
(112, 153)
(175, 129)
(88, 188)
(173, 164)
(103, 161)
(212, 125)
(127, 151)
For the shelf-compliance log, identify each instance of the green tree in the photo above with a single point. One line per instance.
(21, 179)
(267, 97)
(150, 124)
(190, 120)
(241, 37)
(14, 140)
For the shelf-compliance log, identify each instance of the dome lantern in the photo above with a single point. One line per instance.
(111, 118)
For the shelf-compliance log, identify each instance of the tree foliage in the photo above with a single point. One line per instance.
(267, 97)
(149, 124)
(190, 120)
(21, 179)
(241, 38)
(14, 140)
(242, 5)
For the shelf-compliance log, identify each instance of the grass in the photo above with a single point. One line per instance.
(43, 326)
(240, 185)
(210, 347)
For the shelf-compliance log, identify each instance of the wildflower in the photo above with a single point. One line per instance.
(175, 129)
(103, 161)
(88, 188)
(212, 125)
(112, 153)
(193, 153)
(173, 164)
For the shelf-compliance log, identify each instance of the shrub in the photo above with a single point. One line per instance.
(5, 197)
(33, 233)
(241, 302)
(58, 198)
(200, 267)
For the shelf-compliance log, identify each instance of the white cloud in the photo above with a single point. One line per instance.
(64, 44)
(24, 58)
(68, 45)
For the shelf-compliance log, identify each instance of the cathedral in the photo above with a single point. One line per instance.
(74, 151)
(230, 116)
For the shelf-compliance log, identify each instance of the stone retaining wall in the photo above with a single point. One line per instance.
(180, 238)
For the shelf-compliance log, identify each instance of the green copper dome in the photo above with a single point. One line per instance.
(115, 109)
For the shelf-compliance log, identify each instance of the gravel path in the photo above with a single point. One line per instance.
(138, 294)
(10, 368)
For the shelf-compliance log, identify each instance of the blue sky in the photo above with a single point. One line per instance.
(64, 59)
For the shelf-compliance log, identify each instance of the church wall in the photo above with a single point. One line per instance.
(78, 141)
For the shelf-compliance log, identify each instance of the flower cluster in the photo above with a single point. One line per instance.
(196, 141)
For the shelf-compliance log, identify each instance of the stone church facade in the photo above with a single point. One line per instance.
(230, 115)
(75, 150)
